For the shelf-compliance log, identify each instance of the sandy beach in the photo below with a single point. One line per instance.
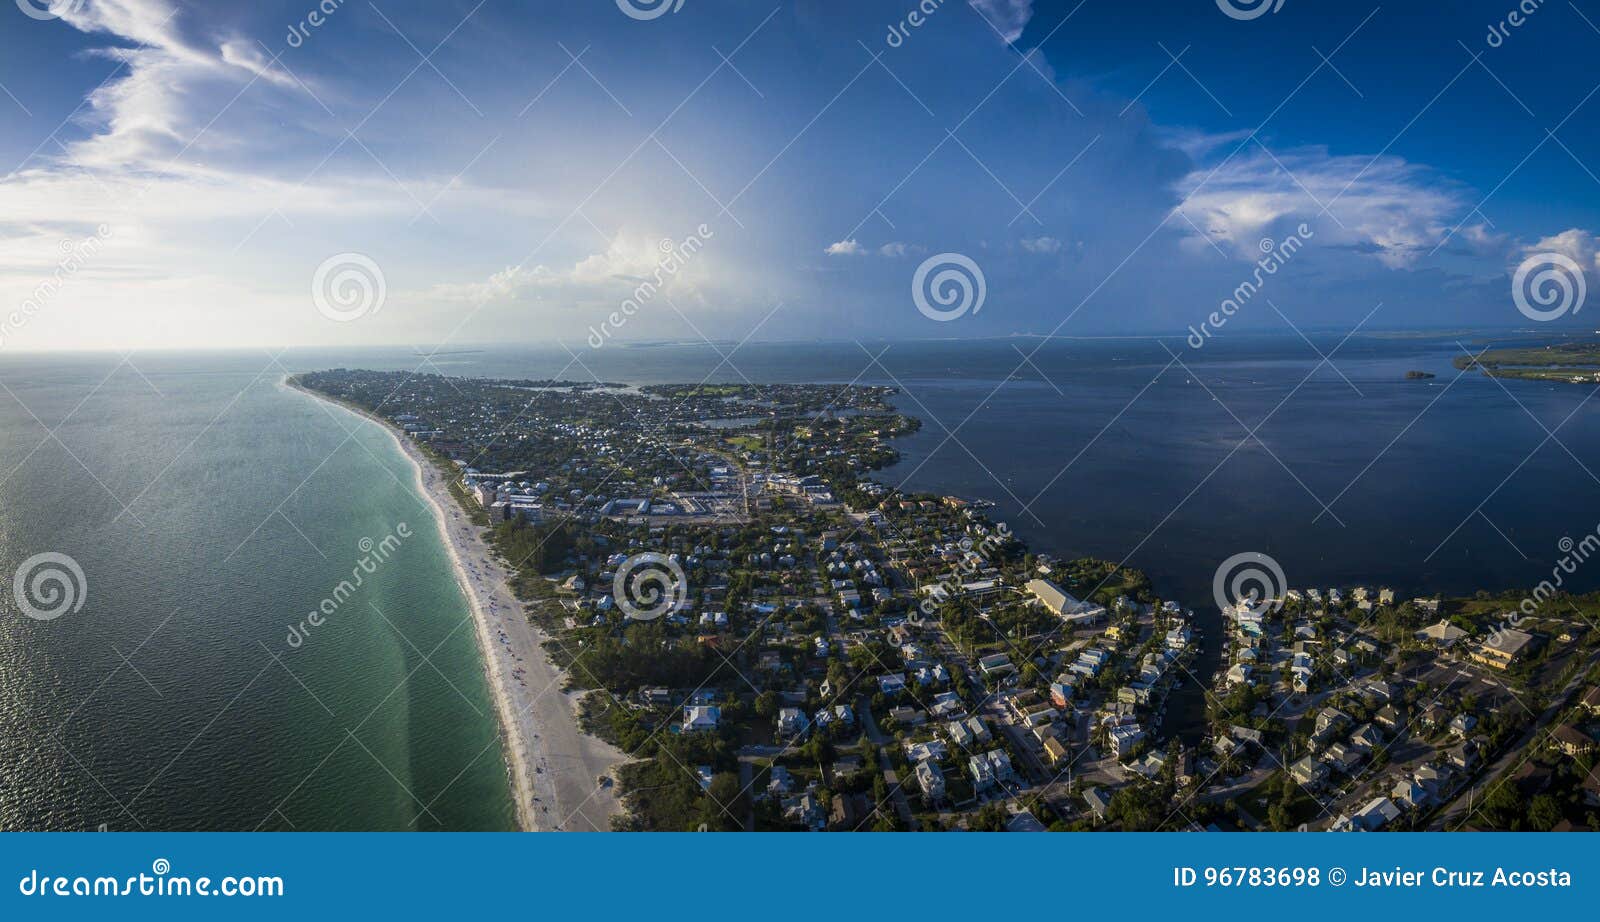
(554, 766)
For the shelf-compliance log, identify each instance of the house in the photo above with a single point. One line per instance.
(892, 684)
(996, 664)
(791, 722)
(779, 781)
(1345, 757)
(907, 716)
(1125, 738)
(930, 779)
(1099, 802)
(990, 769)
(946, 704)
(1463, 757)
(849, 812)
(701, 719)
(1366, 736)
(1309, 773)
(1055, 752)
(1463, 725)
(1023, 821)
(1443, 635)
(1330, 719)
(1572, 741)
(1409, 794)
(806, 810)
(929, 751)
(1377, 814)
(847, 766)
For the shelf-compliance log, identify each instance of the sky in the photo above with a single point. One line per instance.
(453, 173)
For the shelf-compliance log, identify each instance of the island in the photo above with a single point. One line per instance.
(704, 611)
(1576, 362)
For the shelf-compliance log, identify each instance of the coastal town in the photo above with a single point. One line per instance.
(775, 639)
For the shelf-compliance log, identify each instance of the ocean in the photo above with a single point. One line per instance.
(211, 511)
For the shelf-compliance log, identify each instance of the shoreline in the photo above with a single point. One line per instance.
(552, 764)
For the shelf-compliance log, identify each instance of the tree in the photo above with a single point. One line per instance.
(1544, 813)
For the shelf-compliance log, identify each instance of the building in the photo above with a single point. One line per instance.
(930, 780)
(791, 722)
(701, 719)
(1505, 648)
(989, 769)
(1443, 635)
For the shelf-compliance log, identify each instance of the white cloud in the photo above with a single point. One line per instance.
(1009, 17)
(141, 112)
(897, 249)
(845, 248)
(1394, 210)
(1041, 245)
(1581, 246)
(613, 275)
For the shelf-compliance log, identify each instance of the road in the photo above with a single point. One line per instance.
(902, 804)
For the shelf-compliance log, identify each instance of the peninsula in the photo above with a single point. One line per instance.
(766, 637)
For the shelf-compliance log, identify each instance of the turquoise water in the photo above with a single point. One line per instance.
(210, 509)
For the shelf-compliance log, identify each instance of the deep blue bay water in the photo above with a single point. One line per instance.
(246, 504)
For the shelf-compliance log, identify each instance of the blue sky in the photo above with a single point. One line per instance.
(191, 175)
